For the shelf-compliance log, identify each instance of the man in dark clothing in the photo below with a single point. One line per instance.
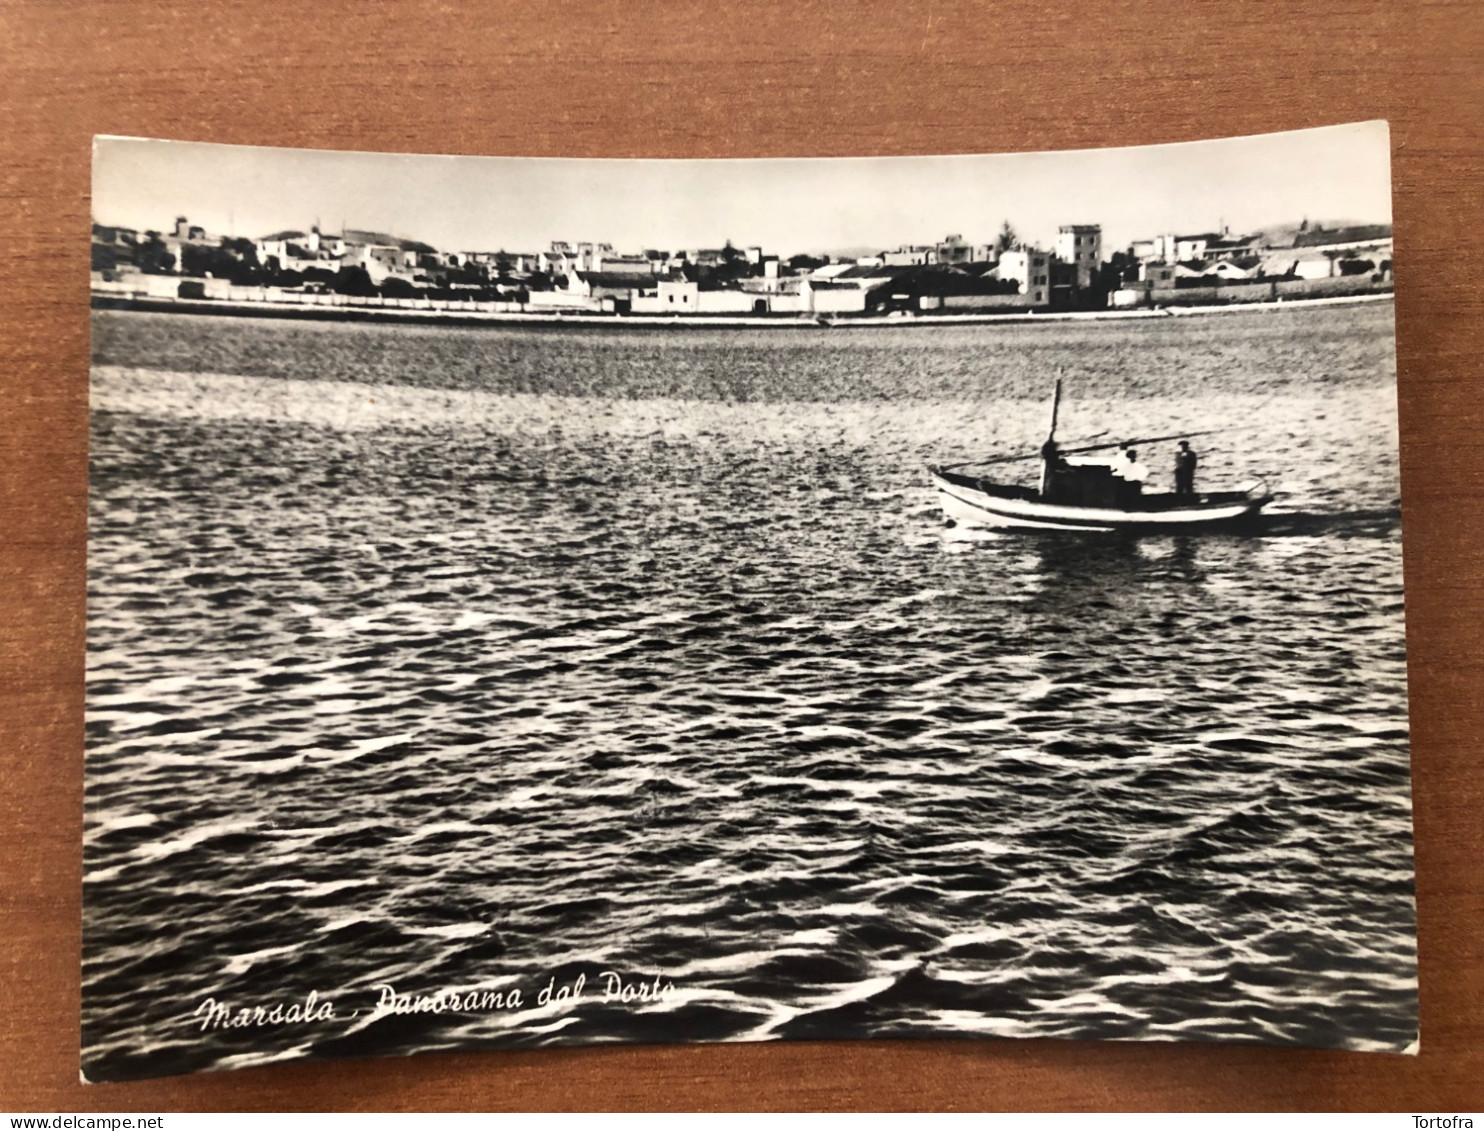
(1051, 461)
(1185, 461)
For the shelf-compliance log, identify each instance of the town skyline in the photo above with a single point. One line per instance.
(792, 205)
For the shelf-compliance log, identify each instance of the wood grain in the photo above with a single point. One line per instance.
(691, 79)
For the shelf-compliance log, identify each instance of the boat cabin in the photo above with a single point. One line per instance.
(1089, 485)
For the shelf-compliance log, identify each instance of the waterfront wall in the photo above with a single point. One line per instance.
(172, 287)
(220, 290)
(165, 295)
(987, 302)
(1265, 290)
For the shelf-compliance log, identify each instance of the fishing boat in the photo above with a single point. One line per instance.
(1086, 494)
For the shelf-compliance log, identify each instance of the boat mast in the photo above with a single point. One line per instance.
(1048, 449)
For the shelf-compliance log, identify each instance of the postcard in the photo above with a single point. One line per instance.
(562, 602)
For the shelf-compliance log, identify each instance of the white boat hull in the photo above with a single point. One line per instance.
(972, 507)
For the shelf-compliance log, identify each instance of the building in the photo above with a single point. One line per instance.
(1031, 268)
(674, 296)
(619, 289)
(508, 263)
(1225, 248)
(380, 262)
(613, 264)
(1144, 250)
(115, 249)
(705, 256)
(830, 270)
(834, 296)
(909, 256)
(186, 232)
(1194, 247)
(1170, 248)
(850, 289)
(557, 260)
(1080, 246)
(589, 256)
(952, 250)
(1227, 271)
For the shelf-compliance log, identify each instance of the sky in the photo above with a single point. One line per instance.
(785, 206)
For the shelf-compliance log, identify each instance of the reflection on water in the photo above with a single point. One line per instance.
(455, 660)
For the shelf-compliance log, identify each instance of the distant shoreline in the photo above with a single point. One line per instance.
(444, 317)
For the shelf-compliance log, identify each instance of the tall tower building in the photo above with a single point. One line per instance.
(1081, 245)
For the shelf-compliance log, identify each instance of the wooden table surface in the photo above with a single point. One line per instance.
(746, 78)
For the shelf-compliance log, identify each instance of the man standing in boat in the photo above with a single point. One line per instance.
(1185, 461)
(1051, 457)
(1052, 461)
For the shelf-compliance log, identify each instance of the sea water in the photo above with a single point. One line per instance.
(433, 661)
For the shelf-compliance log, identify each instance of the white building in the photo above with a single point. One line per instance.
(676, 296)
(1031, 268)
(1171, 248)
(380, 261)
(909, 256)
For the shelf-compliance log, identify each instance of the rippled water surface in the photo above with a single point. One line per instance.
(487, 660)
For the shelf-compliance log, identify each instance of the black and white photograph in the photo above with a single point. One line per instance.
(573, 602)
